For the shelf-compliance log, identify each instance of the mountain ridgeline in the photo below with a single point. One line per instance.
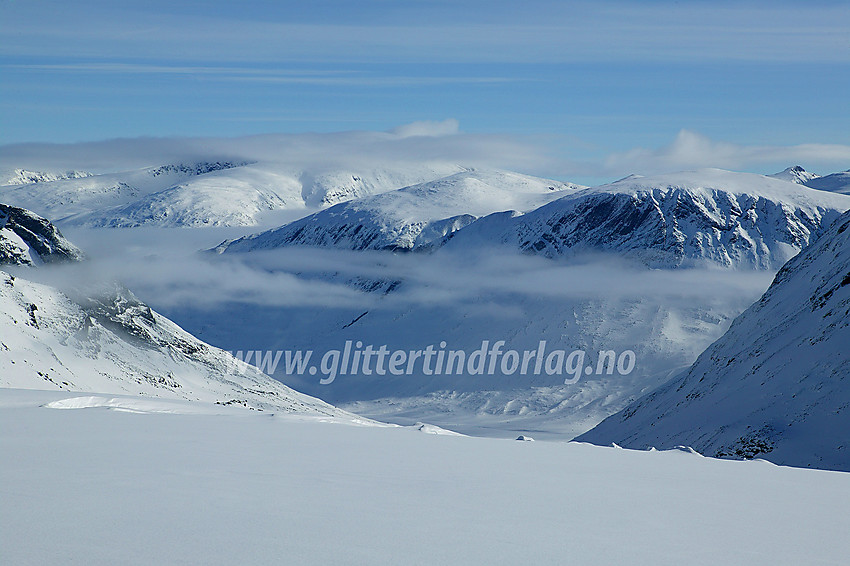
(712, 216)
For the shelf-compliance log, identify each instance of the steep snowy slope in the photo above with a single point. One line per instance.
(836, 183)
(115, 344)
(207, 193)
(737, 220)
(776, 385)
(27, 239)
(419, 216)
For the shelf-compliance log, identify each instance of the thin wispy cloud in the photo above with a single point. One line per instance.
(257, 74)
(574, 32)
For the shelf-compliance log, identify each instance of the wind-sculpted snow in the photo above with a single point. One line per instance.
(111, 343)
(776, 385)
(416, 217)
(736, 220)
(27, 239)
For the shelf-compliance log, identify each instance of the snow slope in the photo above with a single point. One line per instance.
(207, 192)
(730, 219)
(836, 183)
(776, 385)
(419, 216)
(27, 239)
(114, 344)
(100, 487)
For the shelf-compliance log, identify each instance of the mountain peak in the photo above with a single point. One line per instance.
(28, 239)
(795, 174)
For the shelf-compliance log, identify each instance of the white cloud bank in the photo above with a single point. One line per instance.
(692, 150)
(427, 141)
(417, 142)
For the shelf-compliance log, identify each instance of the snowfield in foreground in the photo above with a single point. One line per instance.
(96, 485)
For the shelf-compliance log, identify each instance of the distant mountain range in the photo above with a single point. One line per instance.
(709, 216)
(201, 193)
(418, 217)
(451, 215)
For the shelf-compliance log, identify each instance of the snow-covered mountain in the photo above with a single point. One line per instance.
(419, 216)
(836, 182)
(748, 223)
(795, 174)
(776, 385)
(720, 217)
(114, 344)
(737, 220)
(327, 187)
(107, 341)
(68, 198)
(27, 239)
(216, 192)
(25, 177)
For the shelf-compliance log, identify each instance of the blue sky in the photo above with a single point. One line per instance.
(591, 81)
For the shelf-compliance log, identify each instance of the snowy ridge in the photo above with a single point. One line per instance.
(419, 216)
(25, 177)
(114, 344)
(28, 239)
(737, 220)
(776, 385)
(208, 193)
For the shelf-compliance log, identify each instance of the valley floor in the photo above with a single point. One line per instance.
(122, 480)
